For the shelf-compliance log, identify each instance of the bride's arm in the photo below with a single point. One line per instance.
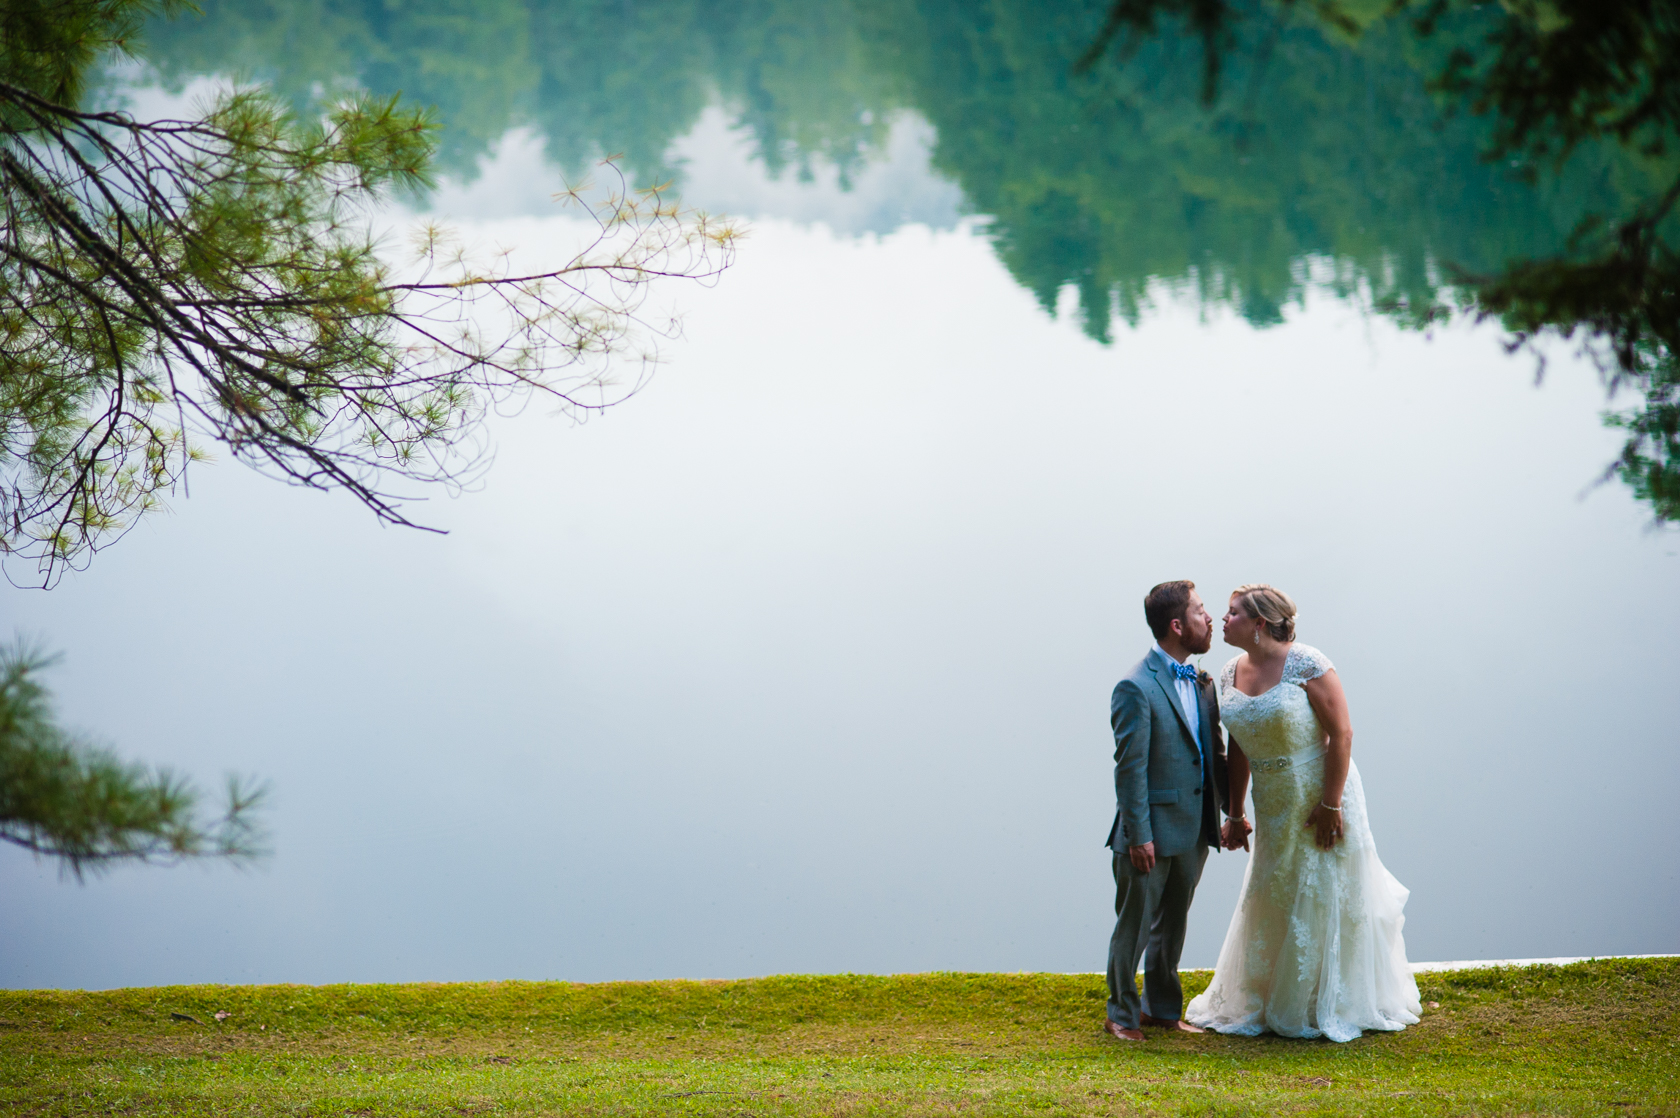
(1236, 829)
(1330, 704)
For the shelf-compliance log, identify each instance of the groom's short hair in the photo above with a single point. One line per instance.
(1165, 604)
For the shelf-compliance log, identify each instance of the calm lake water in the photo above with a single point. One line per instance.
(800, 659)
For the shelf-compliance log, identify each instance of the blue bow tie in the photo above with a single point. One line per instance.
(1183, 671)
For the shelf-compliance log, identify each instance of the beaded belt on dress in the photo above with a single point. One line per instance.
(1272, 764)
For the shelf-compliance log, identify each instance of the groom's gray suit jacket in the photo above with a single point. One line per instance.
(1166, 794)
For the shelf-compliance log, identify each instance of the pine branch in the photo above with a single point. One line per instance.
(222, 271)
(65, 799)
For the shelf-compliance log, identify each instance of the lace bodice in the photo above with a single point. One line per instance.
(1279, 722)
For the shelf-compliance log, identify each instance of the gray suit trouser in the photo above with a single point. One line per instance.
(1150, 908)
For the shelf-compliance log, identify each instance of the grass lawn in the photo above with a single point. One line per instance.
(1591, 1038)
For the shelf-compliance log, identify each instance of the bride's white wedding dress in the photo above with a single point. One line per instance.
(1315, 947)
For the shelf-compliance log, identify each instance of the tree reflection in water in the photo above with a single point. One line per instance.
(1323, 162)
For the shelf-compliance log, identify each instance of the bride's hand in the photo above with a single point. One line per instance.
(1233, 835)
(1328, 826)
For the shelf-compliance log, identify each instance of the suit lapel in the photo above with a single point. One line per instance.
(1164, 680)
(1207, 720)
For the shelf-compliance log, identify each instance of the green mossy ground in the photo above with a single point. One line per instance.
(1592, 1038)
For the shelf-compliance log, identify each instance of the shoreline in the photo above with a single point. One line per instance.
(1477, 964)
(1417, 969)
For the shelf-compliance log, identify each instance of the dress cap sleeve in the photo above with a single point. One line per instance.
(1306, 662)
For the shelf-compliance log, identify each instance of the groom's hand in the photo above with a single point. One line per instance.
(1143, 857)
(1235, 833)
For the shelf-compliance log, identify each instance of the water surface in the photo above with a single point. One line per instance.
(800, 660)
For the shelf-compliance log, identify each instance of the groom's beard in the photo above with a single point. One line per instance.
(1205, 645)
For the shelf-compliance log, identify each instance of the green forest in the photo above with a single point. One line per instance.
(1319, 150)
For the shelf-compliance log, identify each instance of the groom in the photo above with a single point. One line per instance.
(1169, 779)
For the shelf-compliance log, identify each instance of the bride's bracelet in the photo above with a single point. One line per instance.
(1327, 807)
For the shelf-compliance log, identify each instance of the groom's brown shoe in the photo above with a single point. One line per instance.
(1120, 1033)
(1175, 1024)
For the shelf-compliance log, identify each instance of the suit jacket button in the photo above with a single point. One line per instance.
(1197, 791)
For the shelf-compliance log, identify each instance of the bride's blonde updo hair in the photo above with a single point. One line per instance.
(1268, 604)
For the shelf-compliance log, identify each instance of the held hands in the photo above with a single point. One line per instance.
(1234, 832)
(1327, 823)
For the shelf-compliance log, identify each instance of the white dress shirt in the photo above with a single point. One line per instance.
(1187, 698)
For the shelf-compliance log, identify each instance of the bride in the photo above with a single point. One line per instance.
(1315, 947)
